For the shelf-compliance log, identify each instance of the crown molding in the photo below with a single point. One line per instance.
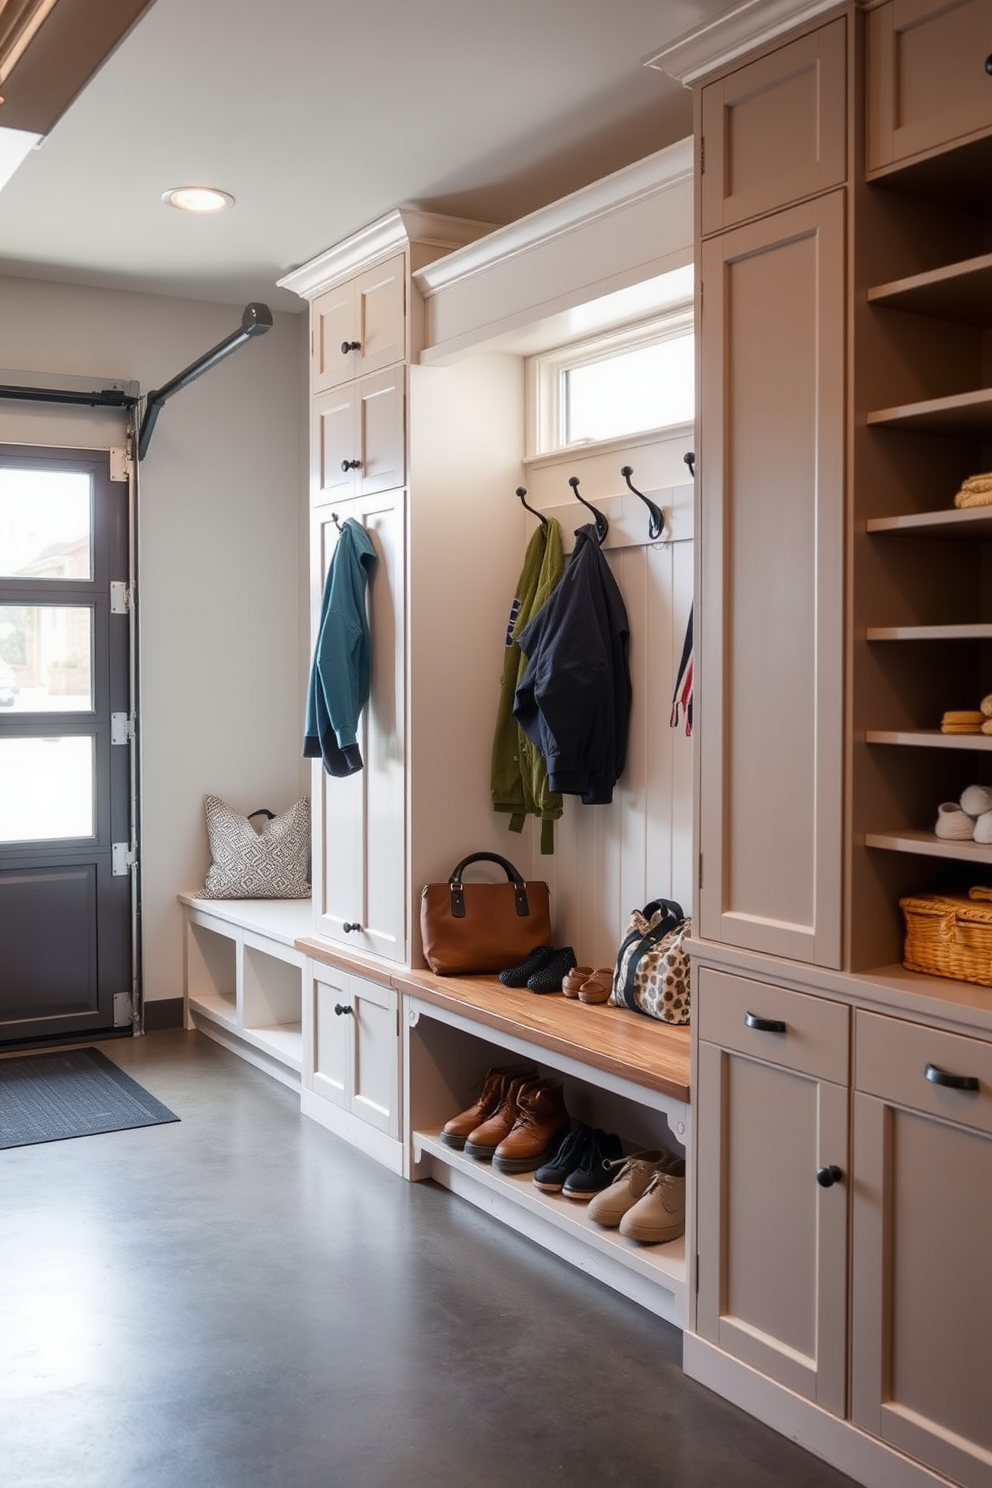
(727, 37)
(645, 178)
(389, 234)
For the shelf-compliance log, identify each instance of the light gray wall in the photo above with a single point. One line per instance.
(222, 562)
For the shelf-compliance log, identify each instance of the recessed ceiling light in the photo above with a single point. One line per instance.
(198, 199)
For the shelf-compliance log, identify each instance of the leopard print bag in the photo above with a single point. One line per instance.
(652, 970)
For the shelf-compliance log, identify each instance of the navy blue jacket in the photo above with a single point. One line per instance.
(573, 700)
(342, 660)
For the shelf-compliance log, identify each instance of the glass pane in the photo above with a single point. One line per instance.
(647, 388)
(46, 658)
(45, 524)
(46, 788)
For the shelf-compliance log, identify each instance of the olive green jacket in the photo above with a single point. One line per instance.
(519, 774)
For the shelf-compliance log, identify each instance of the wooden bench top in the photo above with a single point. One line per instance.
(640, 1049)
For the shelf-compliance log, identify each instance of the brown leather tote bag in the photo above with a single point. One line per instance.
(474, 929)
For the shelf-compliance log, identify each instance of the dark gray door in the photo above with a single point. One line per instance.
(65, 785)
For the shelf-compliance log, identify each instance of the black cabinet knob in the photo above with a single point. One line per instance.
(938, 1076)
(340, 1008)
(347, 346)
(764, 1025)
(350, 925)
(347, 465)
(988, 65)
(827, 1177)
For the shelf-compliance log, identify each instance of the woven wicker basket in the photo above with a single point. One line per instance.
(950, 935)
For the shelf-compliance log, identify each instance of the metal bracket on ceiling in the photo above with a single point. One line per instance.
(255, 321)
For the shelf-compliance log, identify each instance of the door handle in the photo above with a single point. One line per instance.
(827, 1177)
(347, 465)
(764, 1025)
(347, 346)
(341, 1008)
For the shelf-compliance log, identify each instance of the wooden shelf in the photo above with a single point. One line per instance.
(979, 632)
(960, 292)
(963, 415)
(972, 524)
(926, 844)
(928, 739)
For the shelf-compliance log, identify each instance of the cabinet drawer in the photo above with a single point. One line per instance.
(891, 1057)
(775, 130)
(814, 1040)
(927, 84)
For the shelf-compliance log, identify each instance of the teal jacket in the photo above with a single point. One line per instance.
(519, 774)
(342, 660)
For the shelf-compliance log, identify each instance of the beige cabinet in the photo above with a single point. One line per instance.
(922, 1304)
(771, 702)
(359, 326)
(771, 1111)
(359, 821)
(352, 1039)
(928, 83)
(774, 131)
(358, 440)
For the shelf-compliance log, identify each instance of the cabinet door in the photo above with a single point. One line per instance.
(355, 1043)
(775, 130)
(380, 304)
(771, 632)
(333, 327)
(922, 1303)
(358, 438)
(772, 1242)
(359, 869)
(927, 83)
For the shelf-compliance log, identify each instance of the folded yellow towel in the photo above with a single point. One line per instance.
(961, 728)
(982, 482)
(962, 715)
(987, 726)
(973, 498)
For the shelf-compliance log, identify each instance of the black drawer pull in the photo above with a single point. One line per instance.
(350, 925)
(340, 1008)
(347, 346)
(827, 1177)
(764, 1025)
(950, 1082)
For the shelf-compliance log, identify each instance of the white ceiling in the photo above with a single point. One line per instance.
(319, 117)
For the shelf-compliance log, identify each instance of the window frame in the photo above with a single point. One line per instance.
(545, 381)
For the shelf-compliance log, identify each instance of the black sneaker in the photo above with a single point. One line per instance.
(516, 976)
(596, 1170)
(549, 976)
(572, 1151)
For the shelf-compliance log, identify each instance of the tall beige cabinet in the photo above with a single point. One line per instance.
(842, 1104)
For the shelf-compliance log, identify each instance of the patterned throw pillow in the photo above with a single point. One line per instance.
(273, 863)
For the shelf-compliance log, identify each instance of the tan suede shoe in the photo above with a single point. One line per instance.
(494, 1088)
(483, 1140)
(659, 1214)
(541, 1122)
(634, 1174)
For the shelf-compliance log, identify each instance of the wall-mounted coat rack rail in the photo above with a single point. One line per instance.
(255, 321)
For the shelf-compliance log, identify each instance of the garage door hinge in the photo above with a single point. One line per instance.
(123, 1010)
(121, 728)
(120, 465)
(120, 597)
(122, 858)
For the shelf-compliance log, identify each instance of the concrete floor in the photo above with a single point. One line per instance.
(243, 1301)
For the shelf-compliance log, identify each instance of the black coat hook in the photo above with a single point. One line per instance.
(522, 493)
(656, 525)
(602, 525)
(334, 519)
(690, 460)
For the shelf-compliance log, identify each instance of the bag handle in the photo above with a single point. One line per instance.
(512, 876)
(262, 812)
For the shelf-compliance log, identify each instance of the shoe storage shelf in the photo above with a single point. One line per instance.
(620, 1072)
(243, 978)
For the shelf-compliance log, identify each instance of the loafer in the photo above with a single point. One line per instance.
(597, 988)
(572, 980)
(597, 1169)
(659, 1214)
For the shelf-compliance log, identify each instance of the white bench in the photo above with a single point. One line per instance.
(243, 978)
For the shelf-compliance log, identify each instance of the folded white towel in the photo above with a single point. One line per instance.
(976, 800)
(954, 823)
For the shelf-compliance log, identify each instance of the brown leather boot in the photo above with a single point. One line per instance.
(483, 1141)
(541, 1122)
(493, 1094)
